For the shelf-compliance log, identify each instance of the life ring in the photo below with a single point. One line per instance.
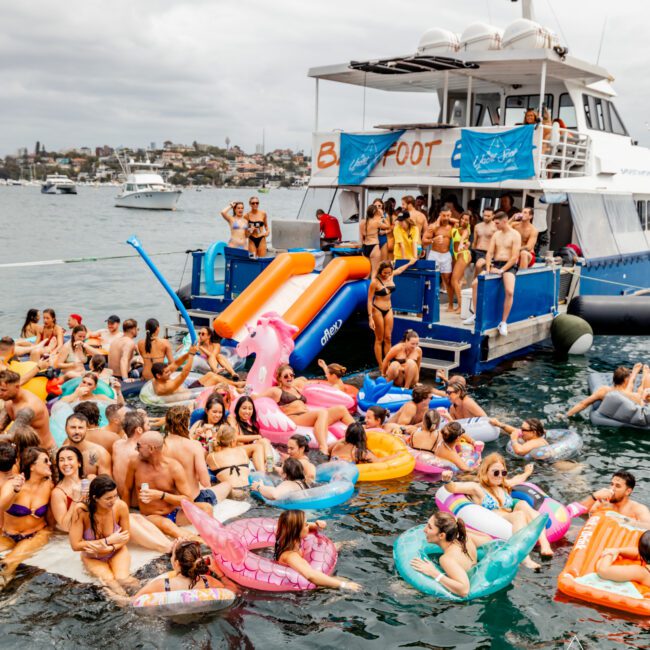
(69, 387)
(479, 429)
(36, 385)
(381, 443)
(428, 463)
(233, 545)
(182, 397)
(563, 444)
(334, 485)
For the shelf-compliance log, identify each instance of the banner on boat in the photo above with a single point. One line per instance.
(360, 154)
(495, 157)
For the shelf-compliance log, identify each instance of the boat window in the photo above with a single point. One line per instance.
(130, 187)
(642, 211)
(592, 226)
(617, 123)
(585, 102)
(601, 115)
(517, 105)
(567, 111)
(624, 222)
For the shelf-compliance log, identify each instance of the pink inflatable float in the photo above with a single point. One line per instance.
(232, 547)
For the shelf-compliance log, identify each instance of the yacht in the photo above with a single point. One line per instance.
(58, 184)
(145, 188)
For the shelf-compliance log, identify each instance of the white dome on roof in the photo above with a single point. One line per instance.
(524, 34)
(480, 37)
(439, 42)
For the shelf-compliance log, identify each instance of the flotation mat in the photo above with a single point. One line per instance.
(578, 579)
(616, 410)
(36, 385)
(385, 444)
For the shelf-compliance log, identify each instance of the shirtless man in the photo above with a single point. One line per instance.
(95, 433)
(524, 226)
(125, 449)
(417, 217)
(122, 351)
(438, 236)
(617, 497)
(482, 235)
(17, 398)
(190, 454)
(163, 382)
(107, 436)
(96, 459)
(109, 333)
(501, 259)
(410, 414)
(622, 380)
(166, 486)
(8, 357)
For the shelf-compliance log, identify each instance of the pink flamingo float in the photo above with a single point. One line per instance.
(271, 340)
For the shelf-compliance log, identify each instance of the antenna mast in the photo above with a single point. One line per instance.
(527, 9)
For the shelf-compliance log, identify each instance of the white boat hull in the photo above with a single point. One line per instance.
(149, 200)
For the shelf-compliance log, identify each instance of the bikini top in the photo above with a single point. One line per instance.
(386, 289)
(256, 224)
(89, 534)
(205, 583)
(433, 449)
(236, 223)
(490, 503)
(16, 510)
(234, 469)
(287, 398)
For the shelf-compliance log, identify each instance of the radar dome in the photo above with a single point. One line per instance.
(438, 42)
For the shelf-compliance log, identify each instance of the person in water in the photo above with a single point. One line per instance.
(459, 552)
(24, 500)
(258, 228)
(153, 349)
(607, 570)
(462, 405)
(617, 498)
(229, 463)
(410, 414)
(233, 214)
(292, 528)
(354, 447)
(531, 435)
(493, 492)
(189, 571)
(101, 531)
(376, 417)
(297, 447)
(380, 309)
(68, 492)
(402, 363)
(210, 356)
(244, 421)
(86, 391)
(334, 372)
(31, 327)
(214, 417)
(293, 480)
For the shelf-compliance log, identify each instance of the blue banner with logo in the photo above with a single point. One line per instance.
(360, 154)
(494, 157)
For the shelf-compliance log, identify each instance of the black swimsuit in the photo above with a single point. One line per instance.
(287, 398)
(386, 290)
(205, 582)
(256, 240)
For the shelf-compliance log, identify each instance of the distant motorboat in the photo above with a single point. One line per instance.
(58, 184)
(145, 188)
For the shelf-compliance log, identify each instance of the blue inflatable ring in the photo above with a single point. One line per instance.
(562, 445)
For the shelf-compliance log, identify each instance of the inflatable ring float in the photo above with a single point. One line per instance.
(562, 445)
(36, 385)
(381, 443)
(428, 463)
(182, 397)
(69, 387)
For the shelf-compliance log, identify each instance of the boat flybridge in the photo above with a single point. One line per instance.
(145, 188)
(58, 184)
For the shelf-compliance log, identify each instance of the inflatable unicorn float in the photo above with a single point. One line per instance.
(271, 341)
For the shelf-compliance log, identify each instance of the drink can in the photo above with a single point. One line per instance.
(85, 485)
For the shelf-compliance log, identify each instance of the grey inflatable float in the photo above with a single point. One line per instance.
(616, 410)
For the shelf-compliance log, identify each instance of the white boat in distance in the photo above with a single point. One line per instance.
(58, 184)
(145, 188)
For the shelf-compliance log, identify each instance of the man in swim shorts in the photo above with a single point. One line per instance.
(438, 236)
(122, 351)
(524, 226)
(617, 497)
(482, 235)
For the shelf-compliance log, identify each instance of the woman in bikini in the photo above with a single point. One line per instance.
(380, 310)
(460, 238)
(51, 335)
(68, 493)
(238, 225)
(25, 500)
(153, 349)
(385, 228)
(75, 354)
(493, 492)
(31, 327)
(333, 373)
(462, 405)
(293, 480)
(289, 397)
(230, 462)
(214, 416)
(402, 363)
(244, 420)
(210, 357)
(369, 235)
(258, 228)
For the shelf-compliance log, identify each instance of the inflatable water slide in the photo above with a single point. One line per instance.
(316, 303)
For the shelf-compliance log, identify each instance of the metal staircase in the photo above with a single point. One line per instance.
(454, 347)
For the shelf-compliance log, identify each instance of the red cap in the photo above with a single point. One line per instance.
(76, 317)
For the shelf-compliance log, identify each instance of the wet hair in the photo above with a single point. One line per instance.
(293, 470)
(431, 420)
(150, 327)
(111, 411)
(226, 435)
(379, 412)
(99, 486)
(461, 389)
(28, 458)
(644, 547)
(177, 421)
(409, 334)
(91, 375)
(451, 432)
(9, 377)
(77, 453)
(6, 342)
(25, 437)
(382, 267)
(52, 313)
(8, 456)
(287, 533)
(454, 529)
(157, 368)
(483, 470)
(192, 564)
(97, 363)
(132, 420)
(626, 476)
(371, 211)
(281, 368)
(76, 329)
(301, 441)
(419, 393)
(129, 324)
(355, 435)
(621, 375)
(212, 400)
(76, 415)
(336, 369)
(250, 428)
(90, 410)
(30, 319)
(536, 427)
(214, 337)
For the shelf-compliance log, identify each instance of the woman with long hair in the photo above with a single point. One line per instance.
(407, 238)
(354, 447)
(402, 363)
(297, 447)
(293, 480)
(86, 391)
(75, 354)
(530, 435)
(67, 493)
(244, 419)
(31, 327)
(462, 405)
(461, 237)
(214, 416)
(369, 234)
(292, 528)
(101, 531)
(258, 228)
(385, 227)
(233, 214)
(493, 492)
(390, 205)
(51, 336)
(607, 570)
(153, 349)
(380, 308)
(210, 357)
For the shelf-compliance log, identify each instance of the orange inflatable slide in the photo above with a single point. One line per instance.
(289, 287)
(605, 529)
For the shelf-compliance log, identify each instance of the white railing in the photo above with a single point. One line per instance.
(562, 152)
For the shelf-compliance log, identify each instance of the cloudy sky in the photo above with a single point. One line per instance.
(128, 72)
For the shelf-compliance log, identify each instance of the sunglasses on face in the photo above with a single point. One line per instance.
(526, 429)
(288, 376)
(451, 392)
(255, 202)
(500, 472)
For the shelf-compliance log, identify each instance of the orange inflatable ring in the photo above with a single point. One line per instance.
(578, 579)
(381, 443)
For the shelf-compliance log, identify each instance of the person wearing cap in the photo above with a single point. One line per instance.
(502, 259)
(109, 333)
(74, 320)
(407, 237)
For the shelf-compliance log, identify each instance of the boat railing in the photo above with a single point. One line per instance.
(563, 152)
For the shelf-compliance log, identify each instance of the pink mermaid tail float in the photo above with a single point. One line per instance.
(232, 547)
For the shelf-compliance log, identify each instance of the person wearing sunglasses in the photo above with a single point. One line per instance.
(289, 397)
(531, 435)
(493, 492)
(258, 228)
(462, 405)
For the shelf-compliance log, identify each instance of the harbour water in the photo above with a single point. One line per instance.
(43, 610)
